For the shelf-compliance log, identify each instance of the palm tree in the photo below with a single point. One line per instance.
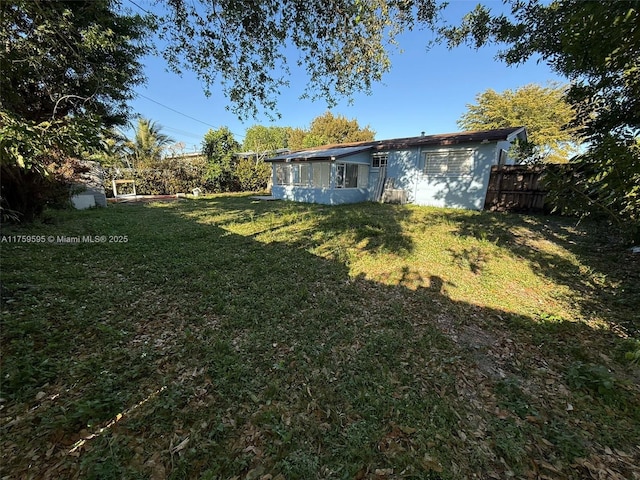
(148, 144)
(115, 150)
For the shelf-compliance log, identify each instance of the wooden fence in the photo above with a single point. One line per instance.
(515, 188)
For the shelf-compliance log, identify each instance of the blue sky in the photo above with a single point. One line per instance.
(424, 91)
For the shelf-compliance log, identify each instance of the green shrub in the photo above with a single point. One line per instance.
(168, 178)
(252, 175)
(171, 176)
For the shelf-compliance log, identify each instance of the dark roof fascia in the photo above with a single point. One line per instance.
(313, 156)
(496, 135)
(444, 139)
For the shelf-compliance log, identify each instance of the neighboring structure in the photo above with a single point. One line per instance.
(187, 156)
(91, 186)
(447, 170)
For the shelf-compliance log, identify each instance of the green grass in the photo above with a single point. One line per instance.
(229, 338)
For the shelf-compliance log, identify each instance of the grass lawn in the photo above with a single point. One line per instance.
(233, 339)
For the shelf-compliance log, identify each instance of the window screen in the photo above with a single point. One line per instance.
(283, 174)
(320, 174)
(449, 162)
(293, 174)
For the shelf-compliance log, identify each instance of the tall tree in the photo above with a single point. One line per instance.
(597, 46)
(295, 138)
(246, 45)
(148, 144)
(329, 128)
(68, 69)
(218, 146)
(73, 57)
(115, 151)
(543, 110)
(260, 139)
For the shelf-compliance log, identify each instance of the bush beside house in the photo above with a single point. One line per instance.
(172, 176)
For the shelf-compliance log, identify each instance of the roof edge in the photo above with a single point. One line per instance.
(454, 138)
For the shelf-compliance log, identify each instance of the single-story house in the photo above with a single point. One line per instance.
(445, 170)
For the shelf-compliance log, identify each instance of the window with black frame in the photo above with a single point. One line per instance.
(379, 160)
(346, 175)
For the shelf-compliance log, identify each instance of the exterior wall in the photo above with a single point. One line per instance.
(327, 195)
(465, 191)
(407, 169)
(402, 167)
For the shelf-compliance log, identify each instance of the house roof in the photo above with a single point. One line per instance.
(327, 152)
(335, 151)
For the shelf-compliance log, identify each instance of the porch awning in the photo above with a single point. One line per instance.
(329, 154)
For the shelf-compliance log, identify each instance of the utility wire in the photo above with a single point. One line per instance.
(176, 111)
(165, 106)
(183, 114)
(144, 10)
(182, 132)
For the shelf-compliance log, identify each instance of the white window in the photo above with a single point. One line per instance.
(448, 162)
(379, 160)
(346, 175)
(283, 174)
(301, 174)
(320, 174)
(293, 174)
(363, 176)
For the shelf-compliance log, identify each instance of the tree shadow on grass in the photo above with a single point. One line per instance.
(250, 358)
(374, 227)
(603, 275)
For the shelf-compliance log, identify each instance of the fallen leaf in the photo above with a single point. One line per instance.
(383, 472)
(430, 463)
(158, 472)
(255, 473)
(181, 446)
(408, 430)
(501, 414)
(548, 466)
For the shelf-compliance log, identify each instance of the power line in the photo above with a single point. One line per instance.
(183, 114)
(182, 132)
(145, 11)
(176, 111)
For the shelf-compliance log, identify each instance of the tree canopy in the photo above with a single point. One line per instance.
(543, 110)
(248, 46)
(68, 58)
(68, 70)
(148, 144)
(260, 138)
(596, 45)
(218, 146)
(327, 129)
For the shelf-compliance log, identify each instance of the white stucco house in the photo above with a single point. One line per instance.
(445, 170)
